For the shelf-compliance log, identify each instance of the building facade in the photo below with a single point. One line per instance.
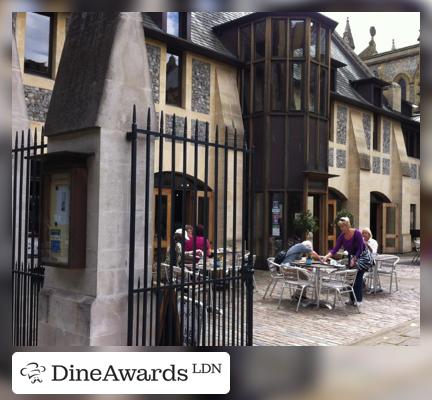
(324, 138)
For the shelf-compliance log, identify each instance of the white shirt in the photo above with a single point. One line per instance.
(373, 244)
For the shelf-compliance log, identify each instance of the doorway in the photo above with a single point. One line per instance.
(383, 222)
(181, 205)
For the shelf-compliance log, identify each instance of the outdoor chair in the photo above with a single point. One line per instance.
(275, 275)
(298, 278)
(416, 246)
(341, 282)
(387, 267)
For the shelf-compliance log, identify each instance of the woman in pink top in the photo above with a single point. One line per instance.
(198, 241)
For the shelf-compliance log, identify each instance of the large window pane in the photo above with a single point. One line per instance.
(296, 87)
(173, 79)
(323, 91)
(279, 37)
(313, 40)
(297, 38)
(259, 87)
(246, 91)
(245, 43)
(173, 23)
(260, 40)
(278, 86)
(37, 55)
(313, 90)
(323, 46)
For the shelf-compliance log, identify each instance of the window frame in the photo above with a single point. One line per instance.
(179, 54)
(49, 73)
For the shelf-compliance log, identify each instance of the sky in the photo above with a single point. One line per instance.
(403, 27)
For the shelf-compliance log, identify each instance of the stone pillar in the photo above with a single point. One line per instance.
(19, 109)
(102, 74)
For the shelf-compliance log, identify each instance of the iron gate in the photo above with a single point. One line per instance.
(179, 298)
(27, 273)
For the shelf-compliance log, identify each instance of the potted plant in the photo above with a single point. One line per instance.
(344, 213)
(304, 223)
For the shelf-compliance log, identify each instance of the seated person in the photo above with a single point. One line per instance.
(297, 251)
(188, 255)
(370, 243)
(198, 241)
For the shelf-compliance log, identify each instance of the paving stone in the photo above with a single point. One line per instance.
(385, 319)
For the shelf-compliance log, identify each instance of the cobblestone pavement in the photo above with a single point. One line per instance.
(387, 319)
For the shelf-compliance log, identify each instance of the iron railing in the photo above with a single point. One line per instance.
(206, 302)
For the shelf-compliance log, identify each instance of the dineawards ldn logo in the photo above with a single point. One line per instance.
(33, 371)
(121, 373)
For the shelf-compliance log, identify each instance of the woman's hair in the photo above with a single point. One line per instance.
(199, 230)
(344, 221)
(187, 227)
(368, 231)
(308, 244)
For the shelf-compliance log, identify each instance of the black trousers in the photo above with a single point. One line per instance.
(358, 286)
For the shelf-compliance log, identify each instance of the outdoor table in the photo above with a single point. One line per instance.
(317, 266)
(376, 282)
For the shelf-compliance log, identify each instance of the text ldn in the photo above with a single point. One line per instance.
(62, 373)
(205, 368)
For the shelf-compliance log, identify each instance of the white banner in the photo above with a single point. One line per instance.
(120, 373)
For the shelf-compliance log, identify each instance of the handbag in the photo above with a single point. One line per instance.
(365, 262)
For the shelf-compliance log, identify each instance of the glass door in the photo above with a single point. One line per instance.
(390, 236)
(331, 226)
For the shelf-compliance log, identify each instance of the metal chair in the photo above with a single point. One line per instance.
(341, 282)
(298, 278)
(416, 245)
(387, 267)
(275, 275)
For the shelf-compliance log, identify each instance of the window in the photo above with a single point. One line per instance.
(174, 79)
(38, 39)
(296, 86)
(333, 80)
(259, 87)
(412, 216)
(173, 23)
(313, 89)
(412, 141)
(323, 46)
(278, 83)
(402, 85)
(376, 134)
(313, 40)
(323, 91)
(176, 24)
(246, 91)
(245, 43)
(378, 96)
(260, 40)
(297, 38)
(279, 36)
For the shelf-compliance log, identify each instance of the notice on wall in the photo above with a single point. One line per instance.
(276, 218)
(62, 205)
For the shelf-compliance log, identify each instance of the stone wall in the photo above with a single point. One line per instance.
(154, 60)
(200, 86)
(341, 124)
(367, 129)
(37, 101)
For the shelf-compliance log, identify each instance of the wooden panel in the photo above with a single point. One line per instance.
(277, 153)
(296, 141)
(313, 145)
